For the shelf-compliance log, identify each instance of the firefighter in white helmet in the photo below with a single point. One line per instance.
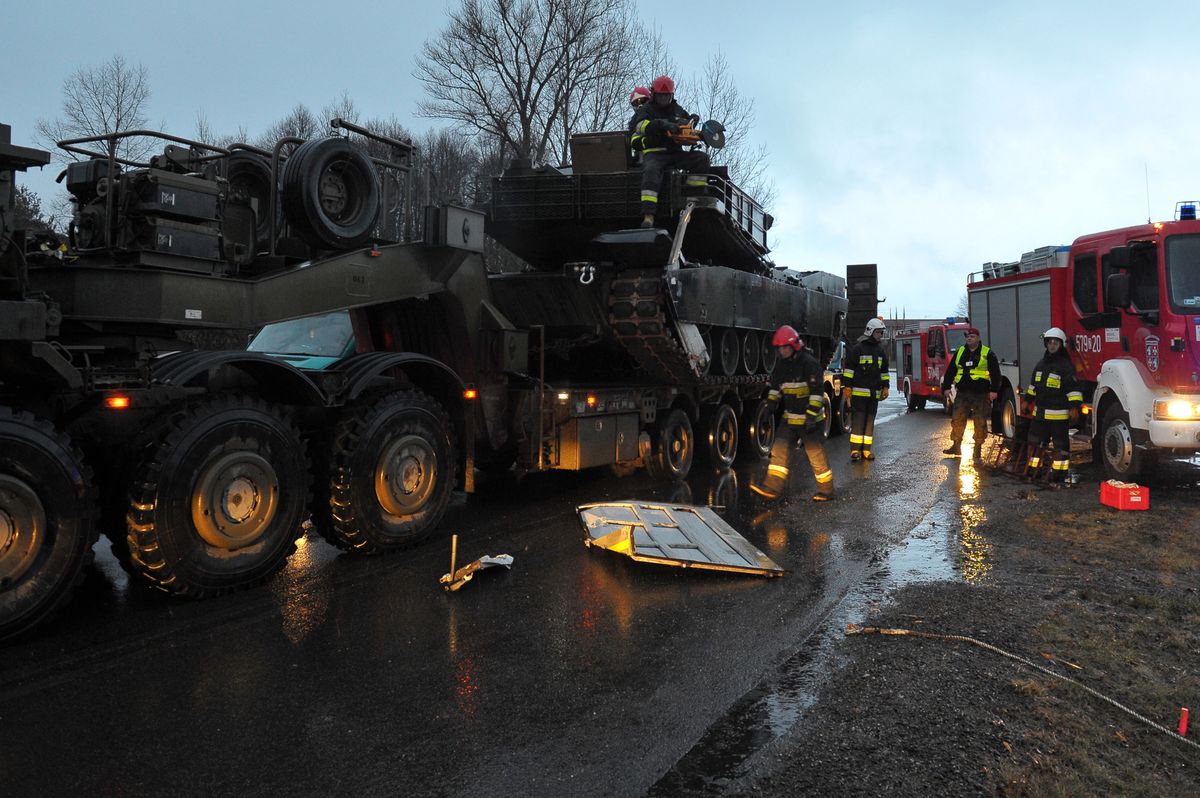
(865, 385)
(1056, 399)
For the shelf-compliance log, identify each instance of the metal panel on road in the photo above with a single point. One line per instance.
(682, 535)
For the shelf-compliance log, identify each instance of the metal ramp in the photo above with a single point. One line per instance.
(682, 535)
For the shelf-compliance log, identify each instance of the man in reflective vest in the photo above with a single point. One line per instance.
(652, 124)
(796, 382)
(865, 384)
(1055, 392)
(974, 373)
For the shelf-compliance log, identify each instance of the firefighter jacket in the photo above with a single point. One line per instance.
(866, 369)
(1054, 387)
(797, 382)
(973, 372)
(650, 124)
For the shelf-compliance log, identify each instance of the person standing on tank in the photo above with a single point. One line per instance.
(653, 124)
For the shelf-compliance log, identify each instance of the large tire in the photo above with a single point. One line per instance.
(841, 416)
(1005, 420)
(219, 499)
(249, 175)
(758, 430)
(719, 428)
(1122, 458)
(47, 521)
(331, 193)
(829, 425)
(393, 472)
(673, 446)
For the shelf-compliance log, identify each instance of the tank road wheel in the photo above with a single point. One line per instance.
(47, 520)
(1122, 458)
(751, 351)
(769, 357)
(728, 351)
(331, 193)
(720, 436)
(393, 472)
(673, 445)
(219, 499)
(758, 425)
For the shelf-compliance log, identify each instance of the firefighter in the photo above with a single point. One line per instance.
(797, 382)
(974, 373)
(652, 121)
(1055, 392)
(637, 98)
(865, 385)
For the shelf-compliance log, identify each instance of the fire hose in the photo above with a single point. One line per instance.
(855, 629)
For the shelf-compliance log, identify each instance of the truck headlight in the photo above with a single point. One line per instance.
(1176, 409)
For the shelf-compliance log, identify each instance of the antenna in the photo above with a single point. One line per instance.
(1146, 168)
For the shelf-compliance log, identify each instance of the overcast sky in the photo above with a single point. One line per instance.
(927, 137)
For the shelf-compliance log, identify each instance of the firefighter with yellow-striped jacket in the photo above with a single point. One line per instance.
(1054, 392)
(796, 382)
(865, 383)
(652, 122)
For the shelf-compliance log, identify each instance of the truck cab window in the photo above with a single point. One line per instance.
(1183, 272)
(1084, 283)
(1143, 278)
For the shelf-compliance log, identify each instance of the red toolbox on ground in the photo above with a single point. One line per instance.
(1124, 495)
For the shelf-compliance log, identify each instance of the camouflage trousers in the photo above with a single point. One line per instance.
(976, 406)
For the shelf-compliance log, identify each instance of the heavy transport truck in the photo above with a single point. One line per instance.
(392, 362)
(1129, 302)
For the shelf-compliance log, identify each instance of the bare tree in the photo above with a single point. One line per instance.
(504, 67)
(963, 308)
(299, 122)
(99, 100)
(27, 211)
(717, 97)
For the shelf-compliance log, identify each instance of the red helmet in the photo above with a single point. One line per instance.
(640, 93)
(663, 85)
(786, 336)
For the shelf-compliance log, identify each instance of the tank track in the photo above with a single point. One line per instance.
(637, 316)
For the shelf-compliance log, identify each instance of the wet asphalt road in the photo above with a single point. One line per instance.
(578, 672)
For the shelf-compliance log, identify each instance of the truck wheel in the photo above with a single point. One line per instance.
(910, 401)
(1005, 421)
(1122, 458)
(673, 445)
(769, 356)
(758, 425)
(841, 415)
(47, 521)
(720, 430)
(331, 193)
(219, 500)
(829, 425)
(393, 472)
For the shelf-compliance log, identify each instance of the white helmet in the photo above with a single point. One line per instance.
(1055, 332)
(875, 324)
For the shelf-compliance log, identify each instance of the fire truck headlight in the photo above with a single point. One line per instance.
(1176, 409)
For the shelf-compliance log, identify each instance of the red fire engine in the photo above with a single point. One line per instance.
(921, 360)
(1129, 301)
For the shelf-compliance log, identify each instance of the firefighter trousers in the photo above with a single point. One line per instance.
(1042, 430)
(862, 424)
(970, 405)
(656, 164)
(781, 459)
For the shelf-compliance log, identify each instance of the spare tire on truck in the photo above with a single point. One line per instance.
(331, 194)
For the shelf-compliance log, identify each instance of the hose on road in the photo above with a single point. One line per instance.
(855, 629)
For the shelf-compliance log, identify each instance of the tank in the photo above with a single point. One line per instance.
(694, 299)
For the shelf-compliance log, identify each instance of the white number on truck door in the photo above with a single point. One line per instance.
(1087, 343)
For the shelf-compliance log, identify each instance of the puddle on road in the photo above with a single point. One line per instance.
(944, 546)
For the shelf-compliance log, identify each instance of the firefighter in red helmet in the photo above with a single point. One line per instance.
(652, 121)
(796, 382)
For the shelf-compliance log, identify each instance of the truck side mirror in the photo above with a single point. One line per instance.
(1119, 258)
(1116, 287)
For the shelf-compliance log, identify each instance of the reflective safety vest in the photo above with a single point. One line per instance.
(979, 371)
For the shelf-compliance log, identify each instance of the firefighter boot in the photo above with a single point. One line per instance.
(823, 497)
(866, 454)
(855, 455)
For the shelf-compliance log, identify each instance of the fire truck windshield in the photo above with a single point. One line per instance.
(1183, 273)
(955, 339)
